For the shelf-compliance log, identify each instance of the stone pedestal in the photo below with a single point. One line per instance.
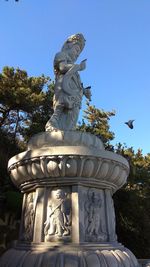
(68, 218)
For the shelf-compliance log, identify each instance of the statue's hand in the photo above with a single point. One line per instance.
(83, 64)
(87, 93)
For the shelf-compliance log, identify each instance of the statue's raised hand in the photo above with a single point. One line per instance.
(87, 92)
(83, 64)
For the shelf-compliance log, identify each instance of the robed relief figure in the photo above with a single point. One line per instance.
(94, 219)
(68, 90)
(58, 217)
(29, 217)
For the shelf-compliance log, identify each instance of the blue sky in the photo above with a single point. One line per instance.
(117, 34)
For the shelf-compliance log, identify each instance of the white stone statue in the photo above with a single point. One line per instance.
(68, 179)
(68, 90)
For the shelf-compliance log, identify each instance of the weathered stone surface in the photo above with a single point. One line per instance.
(64, 138)
(68, 215)
(68, 179)
(70, 256)
(68, 88)
(64, 163)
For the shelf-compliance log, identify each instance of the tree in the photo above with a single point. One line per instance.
(132, 203)
(96, 122)
(38, 118)
(21, 99)
(25, 106)
(20, 96)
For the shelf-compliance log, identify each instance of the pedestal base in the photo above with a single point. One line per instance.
(69, 255)
(68, 218)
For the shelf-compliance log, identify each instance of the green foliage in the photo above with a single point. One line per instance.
(14, 201)
(19, 91)
(25, 106)
(20, 97)
(97, 123)
(40, 116)
(8, 149)
(132, 203)
(132, 221)
(139, 176)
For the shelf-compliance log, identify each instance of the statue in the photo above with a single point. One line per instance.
(68, 90)
(57, 222)
(93, 206)
(29, 217)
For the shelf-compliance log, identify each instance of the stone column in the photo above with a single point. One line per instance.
(68, 217)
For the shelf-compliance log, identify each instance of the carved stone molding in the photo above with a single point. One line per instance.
(74, 256)
(72, 156)
(102, 170)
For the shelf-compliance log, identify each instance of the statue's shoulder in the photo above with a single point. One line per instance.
(59, 57)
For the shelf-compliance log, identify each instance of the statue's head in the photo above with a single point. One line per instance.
(75, 39)
(74, 45)
(58, 194)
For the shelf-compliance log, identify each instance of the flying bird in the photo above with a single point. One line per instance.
(130, 123)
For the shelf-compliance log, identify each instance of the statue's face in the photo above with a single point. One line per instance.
(74, 52)
(59, 194)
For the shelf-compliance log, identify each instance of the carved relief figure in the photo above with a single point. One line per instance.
(58, 218)
(68, 90)
(29, 217)
(93, 219)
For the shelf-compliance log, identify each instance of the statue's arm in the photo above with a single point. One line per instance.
(61, 64)
(72, 68)
(64, 67)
